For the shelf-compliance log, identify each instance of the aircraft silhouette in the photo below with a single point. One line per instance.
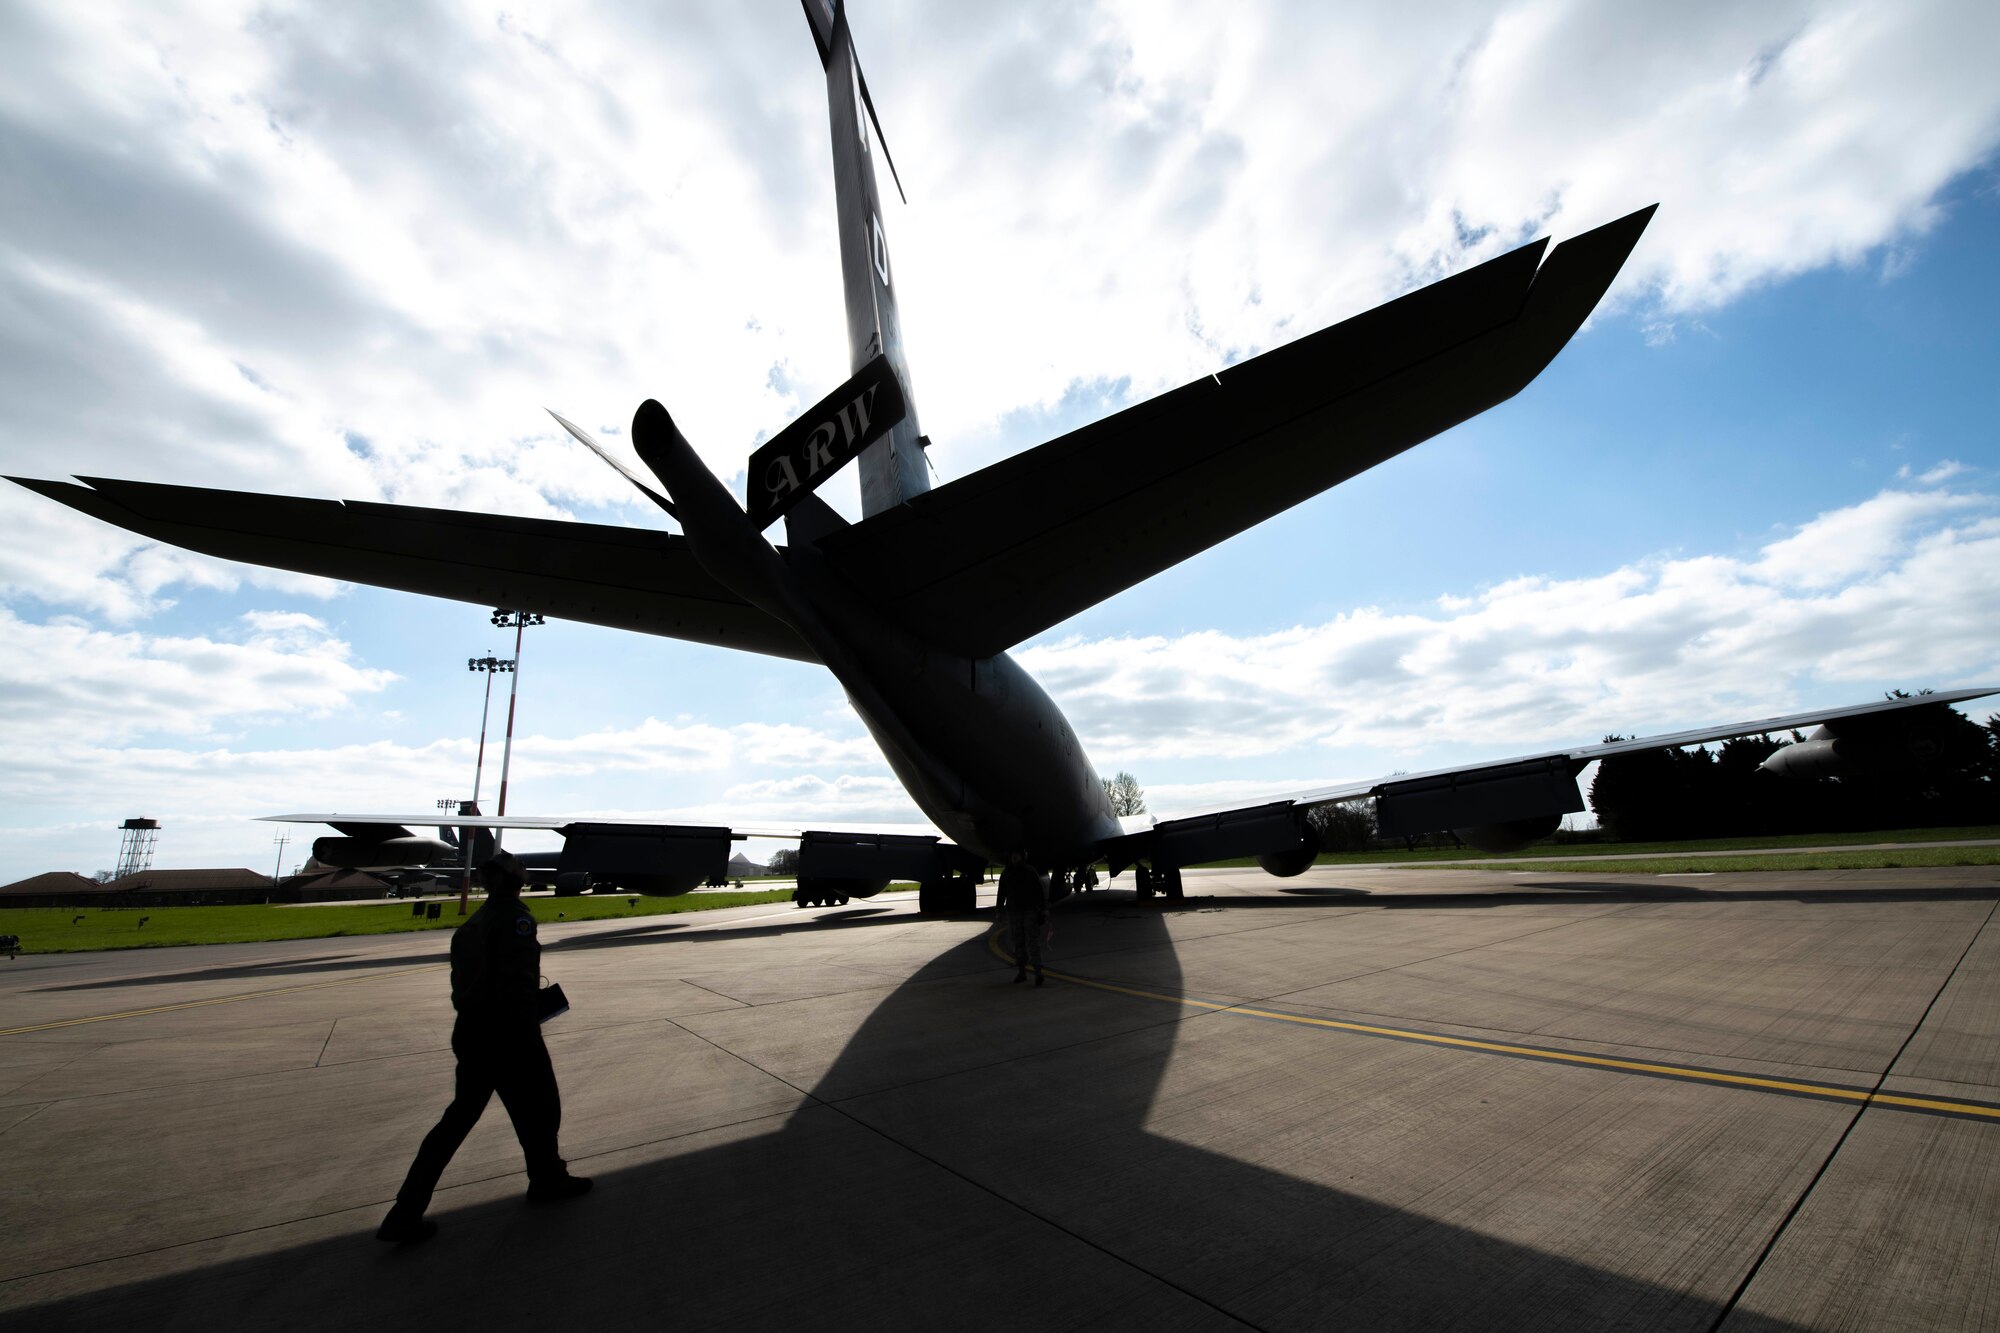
(914, 608)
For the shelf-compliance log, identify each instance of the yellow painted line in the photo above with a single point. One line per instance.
(219, 999)
(1684, 1072)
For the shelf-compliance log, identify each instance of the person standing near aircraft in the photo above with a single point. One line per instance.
(496, 968)
(1024, 898)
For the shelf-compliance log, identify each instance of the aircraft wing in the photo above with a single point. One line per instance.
(383, 824)
(989, 560)
(1497, 792)
(647, 857)
(625, 578)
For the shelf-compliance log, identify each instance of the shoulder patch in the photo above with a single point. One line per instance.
(524, 925)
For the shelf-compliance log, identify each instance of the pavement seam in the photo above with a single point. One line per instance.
(51, 1073)
(1861, 1096)
(835, 1102)
(1470, 948)
(227, 1078)
(367, 1207)
(328, 1042)
(25, 1119)
(208, 1003)
(720, 995)
(837, 1108)
(1784, 1223)
(993, 944)
(1014, 1205)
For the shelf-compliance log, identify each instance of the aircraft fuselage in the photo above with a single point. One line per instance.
(939, 717)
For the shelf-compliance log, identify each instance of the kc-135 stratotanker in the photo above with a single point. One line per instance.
(913, 608)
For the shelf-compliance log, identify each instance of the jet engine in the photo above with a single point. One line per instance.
(375, 853)
(1511, 836)
(660, 860)
(1852, 747)
(1292, 860)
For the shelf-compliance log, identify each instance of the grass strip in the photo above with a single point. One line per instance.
(1545, 851)
(78, 929)
(1688, 865)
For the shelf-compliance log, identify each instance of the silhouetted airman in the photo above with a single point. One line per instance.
(1024, 899)
(495, 977)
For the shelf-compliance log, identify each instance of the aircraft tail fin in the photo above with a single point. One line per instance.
(811, 519)
(893, 469)
(823, 21)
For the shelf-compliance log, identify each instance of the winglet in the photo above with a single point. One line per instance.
(584, 439)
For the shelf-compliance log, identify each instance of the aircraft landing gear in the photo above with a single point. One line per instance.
(1142, 882)
(1164, 879)
(818, 893)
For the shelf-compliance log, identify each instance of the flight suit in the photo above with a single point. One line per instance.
(496, 968)
(1024, 897)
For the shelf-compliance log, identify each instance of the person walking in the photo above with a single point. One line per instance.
(496, 971)
(1024, 899)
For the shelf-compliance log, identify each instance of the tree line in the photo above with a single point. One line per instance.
(1668, 795)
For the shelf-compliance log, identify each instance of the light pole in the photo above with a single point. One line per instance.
(520, 620)
(466, 838)
(486, 665)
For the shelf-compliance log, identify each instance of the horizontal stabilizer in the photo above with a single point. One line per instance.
(991, 559)
(623, 578)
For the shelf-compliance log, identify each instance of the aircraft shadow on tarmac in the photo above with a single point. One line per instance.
(952, 1165)
(272, 970)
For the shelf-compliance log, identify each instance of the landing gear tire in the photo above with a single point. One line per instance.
(1172, 885)
(1142, 882)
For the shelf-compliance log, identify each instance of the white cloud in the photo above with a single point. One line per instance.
(69, 685)
(1859, 539)
(1900, 589)
(1151, 188)
(314, 251)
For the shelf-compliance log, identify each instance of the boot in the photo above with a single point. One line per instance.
(404, 1226)
(553, 1189)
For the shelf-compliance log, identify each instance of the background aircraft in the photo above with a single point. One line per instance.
(925, 586)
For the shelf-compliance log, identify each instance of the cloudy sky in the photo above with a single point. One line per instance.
(354, 251)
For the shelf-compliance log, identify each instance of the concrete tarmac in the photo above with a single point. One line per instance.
(1412, 1098)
